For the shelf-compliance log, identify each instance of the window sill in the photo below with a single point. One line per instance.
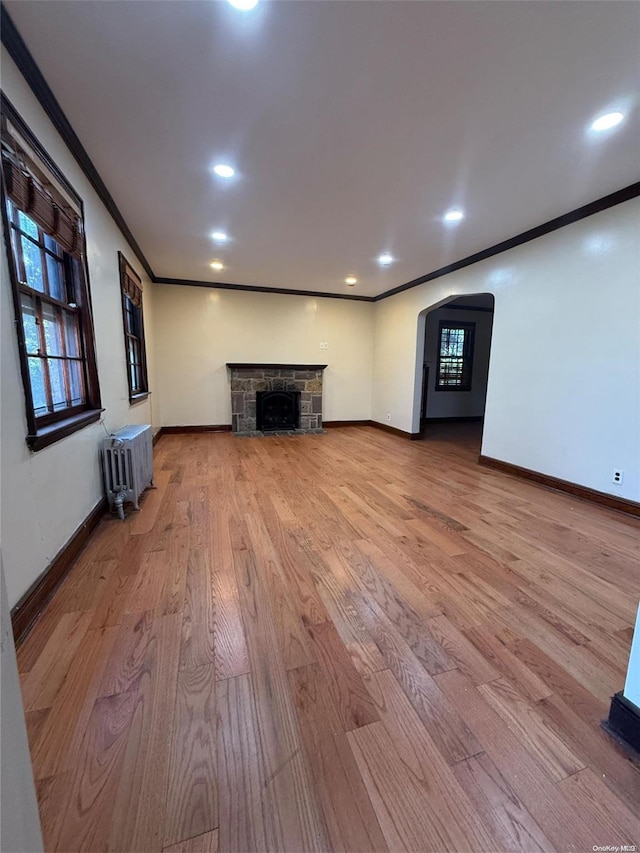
(139, 398)
(61, 429)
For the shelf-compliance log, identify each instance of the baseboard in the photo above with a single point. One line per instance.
(180, 430)
(462, 420)
(413, 436)
(623, 722)
(331, 424)
(157, 436)
(582, 492)
(27, 610)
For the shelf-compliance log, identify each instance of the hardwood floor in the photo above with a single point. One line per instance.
(337, 642)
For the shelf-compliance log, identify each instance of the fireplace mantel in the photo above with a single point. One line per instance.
(249, 378)
(249, 365)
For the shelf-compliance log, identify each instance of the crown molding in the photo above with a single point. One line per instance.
(618, 197)
(185, 282)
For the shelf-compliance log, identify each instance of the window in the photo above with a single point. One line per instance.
(135, 351)
(455, 356)
(45, 241)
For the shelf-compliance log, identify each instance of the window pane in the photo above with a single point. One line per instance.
(137, 326)
(75, 282)
(129, 315)
(452, 342)
(77, 382)
(56, 278)
(51, 244)
(72, 334)
(37, 386)
(31, 336)
(132, 373)
(56, 377)
(451, 371)
(52, 330)
(27, 225)
(32, 264)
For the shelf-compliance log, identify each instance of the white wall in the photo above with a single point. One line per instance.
(47, 495)
(19, 820)
(458, 404)
(200, 329)
(564, 379)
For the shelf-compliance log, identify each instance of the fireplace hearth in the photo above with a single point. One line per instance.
(293, 401)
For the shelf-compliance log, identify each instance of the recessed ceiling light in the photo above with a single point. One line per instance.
(243, 5)
(224, 171)
(607, 121)
(453, 215)
(217, 265)
(385, 259)
(219, 236)
(351, 280)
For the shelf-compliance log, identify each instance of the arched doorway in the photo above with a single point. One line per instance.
(453, 362)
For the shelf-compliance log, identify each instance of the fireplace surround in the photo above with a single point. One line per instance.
(247, 379)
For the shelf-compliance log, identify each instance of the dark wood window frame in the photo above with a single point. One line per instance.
(133, 326)
(465, 360)
(61, 243)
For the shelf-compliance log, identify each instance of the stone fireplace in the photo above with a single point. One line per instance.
(302, 384)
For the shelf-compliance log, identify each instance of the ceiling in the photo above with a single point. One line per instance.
(353, 126)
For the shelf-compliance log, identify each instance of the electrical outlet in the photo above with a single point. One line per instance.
(389, 417)
(324, 345)
(618, 475)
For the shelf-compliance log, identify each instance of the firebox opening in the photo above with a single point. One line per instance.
(277, 410)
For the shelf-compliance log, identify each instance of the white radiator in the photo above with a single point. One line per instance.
(127, 458)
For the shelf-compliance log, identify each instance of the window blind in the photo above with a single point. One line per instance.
(40, 203)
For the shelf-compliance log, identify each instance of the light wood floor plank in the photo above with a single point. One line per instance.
(192, 792)
(454, 825)
(295, 648)
(125, 663)
(230, 648)
(95, 781)
(461, 651)
(42, 683)
(343, 683)
(601, 809)
(499, 807)
(351, 819)
(296, 822)
(197, 646)
(244, 821)
(548, 749)
(140, 807)
(440, 717)
(510, 754)
(60, 739)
